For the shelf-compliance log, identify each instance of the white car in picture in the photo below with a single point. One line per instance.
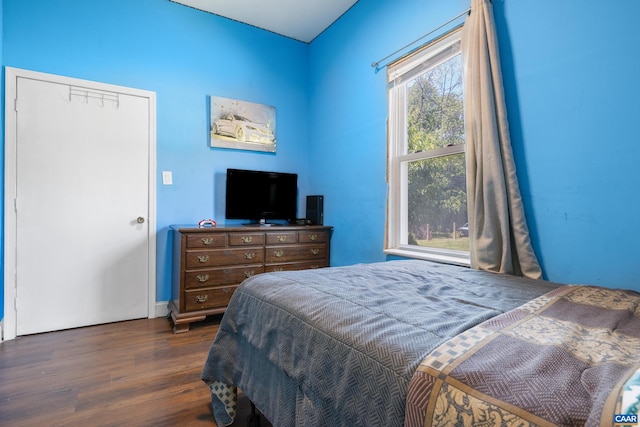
(242, 129)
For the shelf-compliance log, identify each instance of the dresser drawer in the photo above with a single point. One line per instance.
(220, 276)
(201, 299)
(313, 237)
(278, 254)
(246, 239)
(307, 265)
(222, 257)
(284, 238)
(200, 240)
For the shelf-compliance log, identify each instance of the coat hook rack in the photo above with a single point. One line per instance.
(90, 94)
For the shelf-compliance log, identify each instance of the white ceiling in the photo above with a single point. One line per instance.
(298, 19)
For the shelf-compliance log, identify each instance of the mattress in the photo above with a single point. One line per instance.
(339, 346)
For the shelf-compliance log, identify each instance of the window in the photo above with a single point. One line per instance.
(427, 205)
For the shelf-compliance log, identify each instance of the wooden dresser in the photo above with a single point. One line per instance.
(210, 263)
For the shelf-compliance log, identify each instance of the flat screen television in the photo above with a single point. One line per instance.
(260, 196)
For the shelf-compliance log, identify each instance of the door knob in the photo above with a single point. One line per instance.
(140, 220)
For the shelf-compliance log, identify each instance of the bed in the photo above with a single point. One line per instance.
(420, 343)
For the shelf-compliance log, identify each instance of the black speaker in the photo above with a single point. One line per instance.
(315, 209)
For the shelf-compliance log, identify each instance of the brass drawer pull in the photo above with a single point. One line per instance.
(281, 238)
(248, 274)
(207, 240)
(315, 251)
(202, 298)
(314, 266)
(247, 239)
(226, 290)
(313, 237)
(250, 255)
(202, 278)
(203, 258)
(278, 254)
(278, 269)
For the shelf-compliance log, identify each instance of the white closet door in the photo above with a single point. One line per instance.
(82, 206)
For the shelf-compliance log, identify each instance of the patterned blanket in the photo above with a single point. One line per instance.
(570, 358)
(339, 346)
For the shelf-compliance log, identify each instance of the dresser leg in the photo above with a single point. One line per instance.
(181, 322)
(180, 327)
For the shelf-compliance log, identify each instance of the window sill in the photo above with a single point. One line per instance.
(461, 259)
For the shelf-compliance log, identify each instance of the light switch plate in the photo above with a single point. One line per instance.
(167, 178)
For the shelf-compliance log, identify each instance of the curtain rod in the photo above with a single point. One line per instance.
(376, 64)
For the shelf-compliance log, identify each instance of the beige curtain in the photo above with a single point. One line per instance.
(498, 233)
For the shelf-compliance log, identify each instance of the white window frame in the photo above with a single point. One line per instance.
(399, 74)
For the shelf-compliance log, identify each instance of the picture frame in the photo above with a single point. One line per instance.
(242, 125)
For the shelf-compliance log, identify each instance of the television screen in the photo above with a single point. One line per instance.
(260, 196)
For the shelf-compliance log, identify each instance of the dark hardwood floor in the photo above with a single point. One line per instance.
(135, 373)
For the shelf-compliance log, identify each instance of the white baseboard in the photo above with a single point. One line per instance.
(162, 309)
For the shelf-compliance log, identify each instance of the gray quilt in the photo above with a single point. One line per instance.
(338, 346)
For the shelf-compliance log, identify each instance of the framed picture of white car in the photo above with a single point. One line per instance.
(242, 125)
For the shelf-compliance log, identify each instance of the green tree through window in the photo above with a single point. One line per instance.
(428, 200)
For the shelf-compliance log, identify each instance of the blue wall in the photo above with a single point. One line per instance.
(183, 55)
(572, 95)
(349, 116)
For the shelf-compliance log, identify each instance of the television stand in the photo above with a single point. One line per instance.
(262, 223)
